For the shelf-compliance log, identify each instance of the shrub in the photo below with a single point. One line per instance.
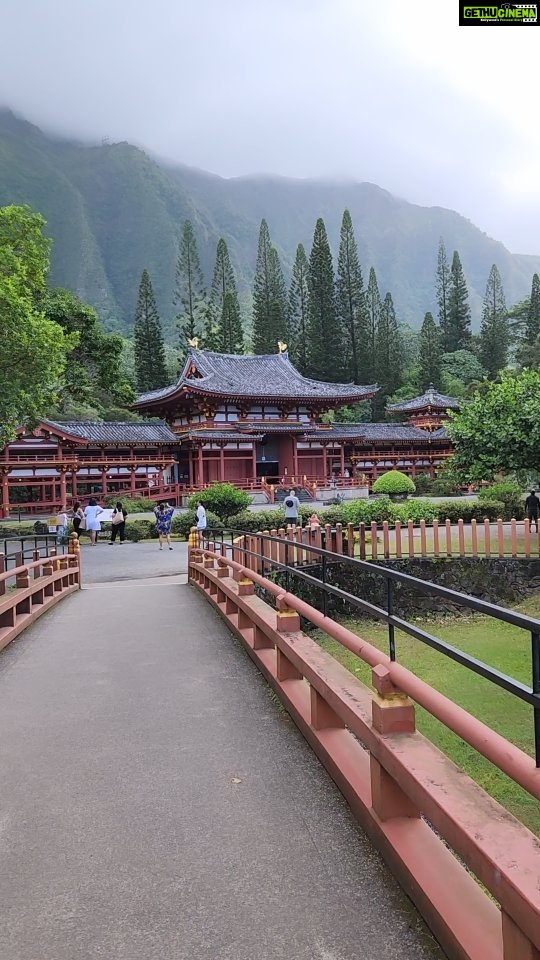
(508, 493)
(444, 488)
(468, 510)
(131, 504)
(23, 529)
(183, 523)
(423, 484)
(222, 499)
(140, 530)
(394, 483)
(415, 510)
(251, 521)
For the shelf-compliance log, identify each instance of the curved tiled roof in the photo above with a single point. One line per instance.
(371, 431)
(431, 398)
(114, 431)
(269, 376)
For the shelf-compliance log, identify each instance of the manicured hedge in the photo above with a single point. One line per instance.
(182, 524)
(131, 504)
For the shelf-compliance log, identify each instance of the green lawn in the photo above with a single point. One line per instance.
(500, 645)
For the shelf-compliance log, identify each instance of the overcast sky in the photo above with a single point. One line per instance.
(391, 92)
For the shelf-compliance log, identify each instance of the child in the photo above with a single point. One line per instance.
(61, 527)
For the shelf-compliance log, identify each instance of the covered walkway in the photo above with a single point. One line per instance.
(156, 803)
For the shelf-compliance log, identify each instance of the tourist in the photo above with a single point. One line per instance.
(532, 509)
(164, 515)
(292, 505)
(201, 519)
(78, 517)
(61, 526)
(91, 514)
(118, 523)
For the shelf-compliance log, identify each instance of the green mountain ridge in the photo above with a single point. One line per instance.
(112, 210)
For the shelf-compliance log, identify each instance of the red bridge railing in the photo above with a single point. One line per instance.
(437, 829)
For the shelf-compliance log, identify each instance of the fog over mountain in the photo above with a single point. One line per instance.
(398, 95)
(112, 211)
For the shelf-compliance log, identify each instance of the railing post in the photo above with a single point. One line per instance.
(535, 651)
(2, 570)
(392, 712)
(362, 541)
(390, 612)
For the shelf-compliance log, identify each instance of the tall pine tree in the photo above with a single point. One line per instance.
(325, 347)
(298, 310)
(388, 356)
(225, 307)
(494, 331)
(456, 334)
(368, 365)
(430, 354)
(279, 307)
(532, 324)
(149, 349)
(442, 286)
(350, 301)
(262, 295)
(189, 294)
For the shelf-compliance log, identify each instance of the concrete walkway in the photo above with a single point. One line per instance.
(156, 804)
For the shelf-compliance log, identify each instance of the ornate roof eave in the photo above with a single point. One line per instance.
(364, 393)
(52, 428)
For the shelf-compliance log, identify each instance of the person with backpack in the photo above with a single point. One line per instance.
(532, 509)
(292, 505)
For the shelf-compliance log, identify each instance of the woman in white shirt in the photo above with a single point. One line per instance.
(91, 513)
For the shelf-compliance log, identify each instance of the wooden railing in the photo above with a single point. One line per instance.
(439, 831)
(386, 541)
(29, 590)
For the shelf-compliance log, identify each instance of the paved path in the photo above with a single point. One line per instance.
(156, 804)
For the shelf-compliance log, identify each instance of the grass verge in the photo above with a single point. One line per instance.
(499, 644)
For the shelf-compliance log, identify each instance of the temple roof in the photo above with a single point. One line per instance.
(266, 376)
(218, 435)
(370, 431)
(114, 431)
(431, 398)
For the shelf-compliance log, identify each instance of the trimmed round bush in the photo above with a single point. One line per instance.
(221, 499)
(394, 483)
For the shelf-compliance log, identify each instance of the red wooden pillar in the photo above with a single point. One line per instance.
(295, 459)
(63, 493)
(200, 480)
(254, 460)
(74, 484)
(342, 459)
(132, 479)
(103, 483)
(221, 463)
(324, 462)
(5, 492)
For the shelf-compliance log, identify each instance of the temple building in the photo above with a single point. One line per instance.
(254, 421)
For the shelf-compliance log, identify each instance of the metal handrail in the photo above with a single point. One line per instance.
(530, 695)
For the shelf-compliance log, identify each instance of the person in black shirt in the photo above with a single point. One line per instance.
(532, 509)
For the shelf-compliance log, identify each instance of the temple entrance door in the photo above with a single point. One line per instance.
(268, 469)
(268, 459)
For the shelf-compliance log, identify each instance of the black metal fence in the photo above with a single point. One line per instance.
(293, 560)
(15, 551)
